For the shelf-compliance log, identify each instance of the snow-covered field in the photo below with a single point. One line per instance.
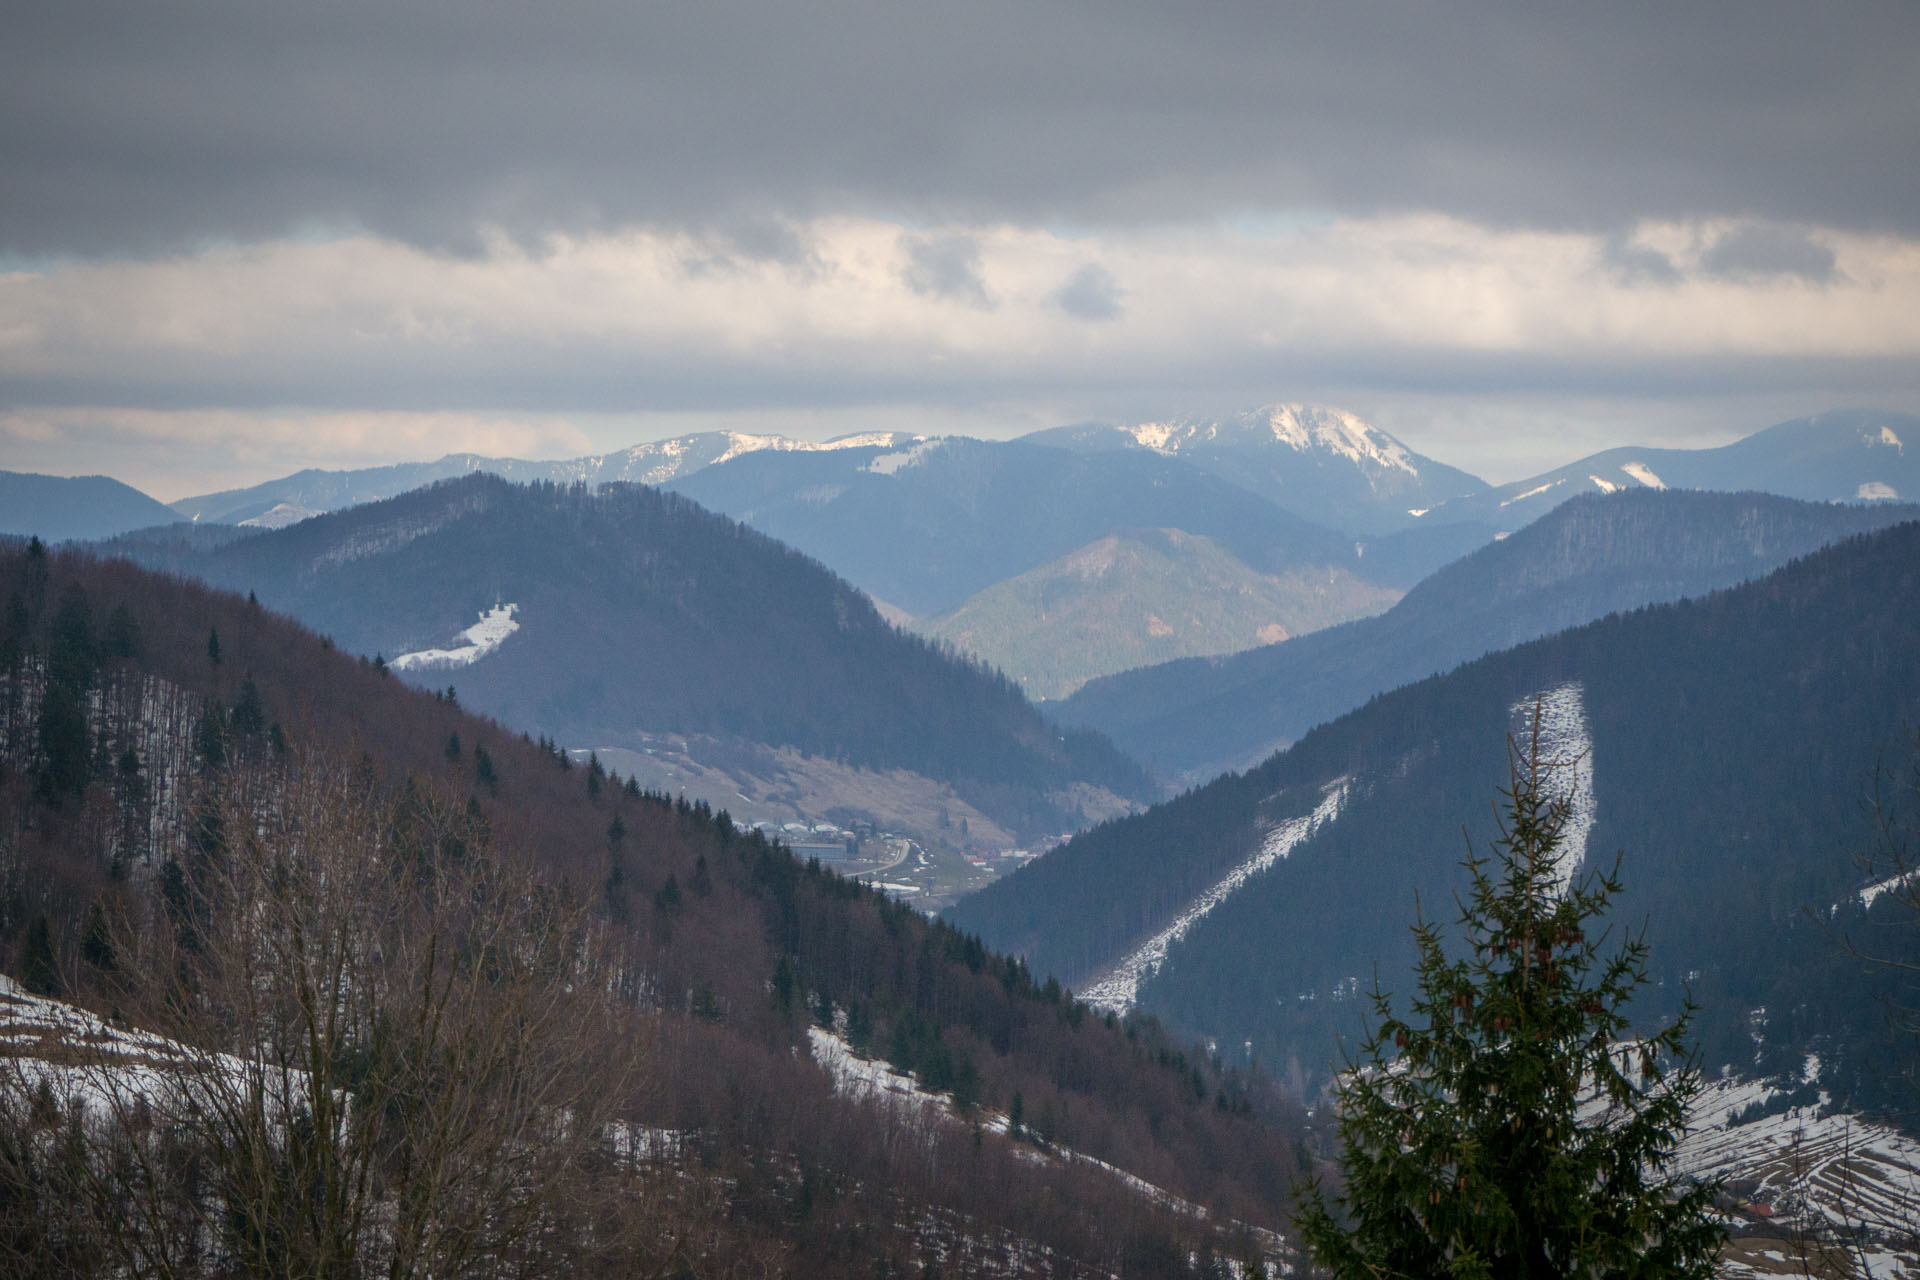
(478, 640)
(1828, 1183)
(83, 1058)
(1118, 987)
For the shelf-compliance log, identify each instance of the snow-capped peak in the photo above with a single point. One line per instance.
(1306, 427)
(1154, 435)
(1302, 427)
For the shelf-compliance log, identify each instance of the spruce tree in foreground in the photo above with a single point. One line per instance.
(1508, 1127)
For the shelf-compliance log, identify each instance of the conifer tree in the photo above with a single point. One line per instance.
(39, 968)
(1509, 1125)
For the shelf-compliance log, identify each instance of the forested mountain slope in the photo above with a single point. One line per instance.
(1599, 553)
(634, 609)
(176, 761)
(58, 508)
(1727, 747)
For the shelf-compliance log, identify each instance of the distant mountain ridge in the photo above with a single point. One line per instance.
(925, 527)
(1851, 455)
(1322, 463)
(1586, 558)
(1139, 597)
(654, 462)
(60, 508)
(634, 609)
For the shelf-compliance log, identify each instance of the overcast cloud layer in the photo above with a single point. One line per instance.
(549, 227)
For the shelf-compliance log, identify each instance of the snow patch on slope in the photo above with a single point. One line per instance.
(887, 464)
(1531, 493)
(1604, 485)
(1887, 437)
(1876, 491)
(279, 516)
(1118, 987)
(739, 442)
(1566, 759)
(481, 639)
(1641, 472)
(105, 1067)
(1872, 891)
(863, 1078)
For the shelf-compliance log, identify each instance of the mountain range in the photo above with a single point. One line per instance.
(1852, 455)
(1597, 554)
(926, 527)
(595, 617)
(1321, 463)
(307, 493)
(1138, 597)
(970, 516)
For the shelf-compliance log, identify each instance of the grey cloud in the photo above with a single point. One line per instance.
(1637, 264)
(1091, 293)
(126, 127)
(746, 241)
(945, 266)
(1759, 253)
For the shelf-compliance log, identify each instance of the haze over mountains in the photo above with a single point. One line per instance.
(1586, 558)
(924, 528)
(306, 493)
(965, 518)
(1852, 455)
(58, 508)
(1142, 596)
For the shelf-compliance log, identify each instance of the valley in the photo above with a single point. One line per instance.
(1330, 702)
(902, 832)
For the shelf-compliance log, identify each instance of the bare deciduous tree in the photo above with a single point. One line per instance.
(373, 1043)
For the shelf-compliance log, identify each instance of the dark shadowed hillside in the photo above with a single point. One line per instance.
(637, 610)
(1726, 745)
(1197, 717)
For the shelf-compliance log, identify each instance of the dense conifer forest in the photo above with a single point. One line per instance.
(1735, 744)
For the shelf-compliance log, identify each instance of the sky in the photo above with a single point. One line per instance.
(241, 239)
